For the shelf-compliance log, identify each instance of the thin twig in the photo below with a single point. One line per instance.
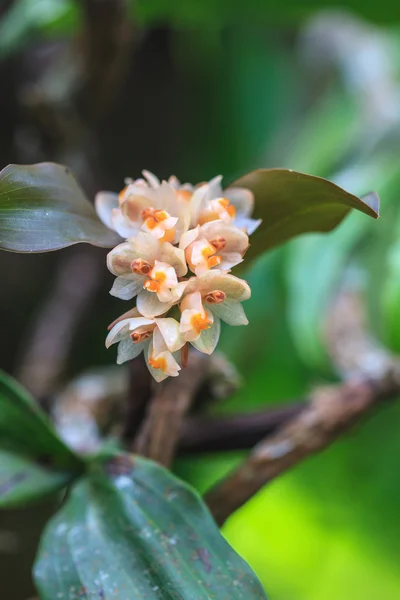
(331, 411)
(159, 434)
(234, 432)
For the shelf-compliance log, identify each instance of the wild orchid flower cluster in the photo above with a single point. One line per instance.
(181, 243)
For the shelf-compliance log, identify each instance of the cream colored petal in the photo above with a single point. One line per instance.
(169, 329)
(178, 291)
(165, 270)
(214, 188)
(120, 258)
(192, 302)
(188, 237)
(157, 374)
(152, 180)
(118, 332)
(167, 198)
(127, 350)
(235, 239)
(174, 257)
(246, 224)
(122, 226)
(159, 344)
(231, 312)
(150, 306)
(197, 203)
(129, 314)
(124, 328)
(127, 287)
(169, 222)
(105, 203)
(186, 328)
(235, 288)
(145, 246)
(164, 294)
(208, 338)
(230, 260)
(241, 198)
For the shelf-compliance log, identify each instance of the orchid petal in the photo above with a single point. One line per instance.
(169, 329)
(127, 350)
(127, 287)
(231, 312)
(105, 203)
(208, 339)
(150, 306)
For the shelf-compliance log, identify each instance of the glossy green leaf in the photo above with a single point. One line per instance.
(43, 208)
(291, 203)
(33, 460)
(131, 530)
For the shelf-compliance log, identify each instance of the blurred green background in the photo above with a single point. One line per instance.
(198, 88)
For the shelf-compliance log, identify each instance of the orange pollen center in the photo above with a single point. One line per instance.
(140, 266)
(230, 209)
(219, 243)
(215, 297)
(212, 259)
(200, 322)
(183, 195)
(169, 235)
(154, 284)
(158, 363)
(153, 217)
(140, 337)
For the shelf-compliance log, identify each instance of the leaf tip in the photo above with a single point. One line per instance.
(372, 200)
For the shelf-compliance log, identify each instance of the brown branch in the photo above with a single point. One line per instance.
(331, 412)
(47, 347)
(159, 434)
(234, 432)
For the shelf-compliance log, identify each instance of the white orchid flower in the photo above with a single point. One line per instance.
(146, 268)
(146, 205)
(159, 339)
(214, 244)
(169, 227)
(233, 205)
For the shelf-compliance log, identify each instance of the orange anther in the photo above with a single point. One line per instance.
(140, 266)
(200, 322)
(140, 337)
(158, 363)
(215, 297)
(214, 261)
(151, 286)
(169, 235)
(219, 243)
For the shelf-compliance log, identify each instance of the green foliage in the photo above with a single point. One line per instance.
(291, 203)
(131, 530)
(33, 460)
(25, 18)
(42, 208)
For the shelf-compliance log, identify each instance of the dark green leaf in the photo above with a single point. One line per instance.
(43, 208)
(291, 203)
(33, 460)
(131, 530)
